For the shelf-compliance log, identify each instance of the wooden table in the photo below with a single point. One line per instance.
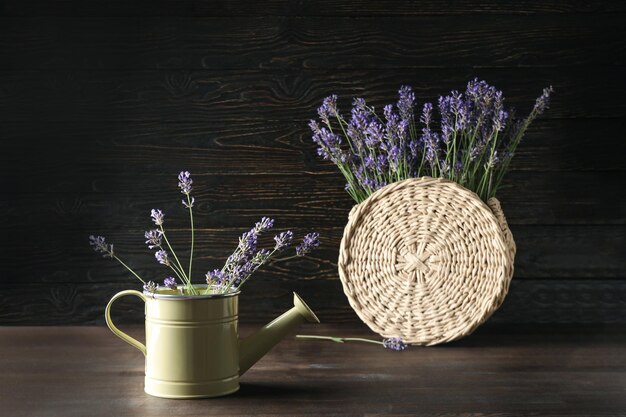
(543, 371)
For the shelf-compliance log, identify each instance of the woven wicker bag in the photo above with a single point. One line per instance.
(426, 260)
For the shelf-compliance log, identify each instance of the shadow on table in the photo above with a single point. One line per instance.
(493, 335)
(252, 390)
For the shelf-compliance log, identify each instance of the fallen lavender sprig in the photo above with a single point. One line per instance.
(392, 343)
(471, 142)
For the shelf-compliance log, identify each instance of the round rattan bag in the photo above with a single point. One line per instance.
(426, 260)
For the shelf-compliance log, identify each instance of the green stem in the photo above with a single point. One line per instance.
(180, 266)
(192, 237)
(339, 339)
(127, 267)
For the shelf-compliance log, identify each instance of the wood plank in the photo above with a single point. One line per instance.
(79, 371)
(231, 96)
(528, 301)
(252, 43)
(113, 198)
(234, 148)
(60, 256)
(227, 8)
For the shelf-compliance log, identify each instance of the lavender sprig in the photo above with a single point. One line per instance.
(247, 258)
(393, 343)
(471, 141)
(99, 244)
(240, 265)
(309, 242)
(150, 287)
(154, 240)
(283, 240)
(170, 283)
(184, 183)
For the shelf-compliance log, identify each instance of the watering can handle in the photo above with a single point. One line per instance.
(114, 329)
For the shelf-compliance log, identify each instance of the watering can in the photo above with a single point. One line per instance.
(193, 349)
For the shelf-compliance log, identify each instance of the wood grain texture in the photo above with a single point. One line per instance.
(103, 102)
(555, 371)
(262, 147)
(543, 252)
(529, 301)
(311, 42)
(232, 96)
(229, 8)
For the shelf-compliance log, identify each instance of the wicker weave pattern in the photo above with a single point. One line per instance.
(426, 260)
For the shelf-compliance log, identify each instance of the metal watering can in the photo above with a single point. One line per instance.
(192, 345)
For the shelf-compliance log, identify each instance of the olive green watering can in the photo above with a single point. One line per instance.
(192, 345)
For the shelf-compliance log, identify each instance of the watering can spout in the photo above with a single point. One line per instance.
(254, 347)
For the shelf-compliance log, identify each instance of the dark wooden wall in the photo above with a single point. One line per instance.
(103, 102)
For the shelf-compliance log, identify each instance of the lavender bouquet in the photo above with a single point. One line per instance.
(471, 140)
(238, 268)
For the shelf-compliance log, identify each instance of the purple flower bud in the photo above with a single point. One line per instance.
(543, 101)
(162, 257)
(309, 242)
(359, 103)
(150, 287)
(153, 238)
(99, 244)
(184, 182)
(405, 102)
(394, 343)
(170, 283)
(264, 225)
(283, 240)
(445, 167)
(260, 257)
(188, 204)
(215, 277)
(248, 242)
(157, 216)
(328, 108)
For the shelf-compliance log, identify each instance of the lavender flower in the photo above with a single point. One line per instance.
(543, 101)
(215, 278)
(162, 257)
(283, 240)
(462, 144)
(427, 114)
(394, 343)
(264, 225)
(260, 257)
(157, 217)
(99, 244)
(405, 102)
(239, 274)
(153, 238)
(248, 242)
(328, 109)
(184, 182)
(309, 242)
(329, 144)
(150, 287)
(170, 283)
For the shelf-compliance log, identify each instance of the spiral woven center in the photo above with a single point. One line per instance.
(413, 266)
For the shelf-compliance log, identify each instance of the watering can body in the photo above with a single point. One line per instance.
(192, 345)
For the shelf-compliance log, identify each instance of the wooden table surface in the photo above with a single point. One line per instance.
(540, 371)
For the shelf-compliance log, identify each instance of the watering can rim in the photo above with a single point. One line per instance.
(178, 296)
